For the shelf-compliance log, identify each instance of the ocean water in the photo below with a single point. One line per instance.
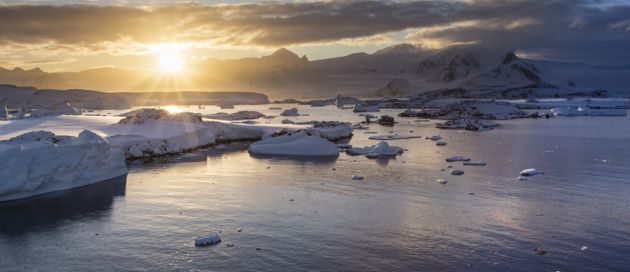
(287, 214)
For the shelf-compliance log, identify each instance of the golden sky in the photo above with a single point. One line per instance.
(66, 36)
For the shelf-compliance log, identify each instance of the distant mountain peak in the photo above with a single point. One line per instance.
(509, 57)
(284, 53)
(404, 48)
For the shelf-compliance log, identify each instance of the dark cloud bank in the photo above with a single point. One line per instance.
(585, 31)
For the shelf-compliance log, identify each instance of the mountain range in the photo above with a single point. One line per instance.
(398, 70)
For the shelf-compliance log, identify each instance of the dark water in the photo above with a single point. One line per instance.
(305, 216)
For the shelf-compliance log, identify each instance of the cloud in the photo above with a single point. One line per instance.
(558, 26)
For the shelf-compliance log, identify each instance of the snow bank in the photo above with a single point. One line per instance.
(61, 163)
(239, 115)
(299, 145)
(381, 149)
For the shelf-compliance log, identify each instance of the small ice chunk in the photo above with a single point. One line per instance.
(393, 137)
(290, 112)
(457, 158)
(381, 149)
(457, 172)
(357, 177)
(583, 248)
(440, 143)
(435, 138)
(475, 163)
(521, 178)
(211, 239)
(442, 181)
(531, 172)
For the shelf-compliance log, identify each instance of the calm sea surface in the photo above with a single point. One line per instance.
(309, 215)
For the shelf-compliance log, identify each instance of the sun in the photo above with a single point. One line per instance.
(170, 57)
(171, 62)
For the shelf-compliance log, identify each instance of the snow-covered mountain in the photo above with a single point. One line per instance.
(34, 77)
(396, 70)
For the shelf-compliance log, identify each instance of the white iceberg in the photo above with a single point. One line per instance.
(150, 132)
(381, 149)
(41, 162)
(299, 145)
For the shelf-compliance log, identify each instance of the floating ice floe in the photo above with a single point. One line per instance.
(531, 172)
(151, 132)
(468, 124)
(381, 149)
(299, 145)
(571, 111)
(393, 137)
(211, 239)
(290, 112)
(457, 158)
(475, 163)
(434, 138)
(41, 162)
(364, 108)
(330, 130)
(357, 177)
(521, 178)
(441, 143)
(239, 115)
(457, 172)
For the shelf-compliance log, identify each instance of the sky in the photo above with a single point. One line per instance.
(77, 35)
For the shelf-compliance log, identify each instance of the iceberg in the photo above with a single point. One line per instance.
(299, 145)
(62, 163)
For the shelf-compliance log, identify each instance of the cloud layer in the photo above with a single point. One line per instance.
(579, 30)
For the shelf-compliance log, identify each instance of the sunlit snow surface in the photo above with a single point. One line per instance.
(305, 216)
